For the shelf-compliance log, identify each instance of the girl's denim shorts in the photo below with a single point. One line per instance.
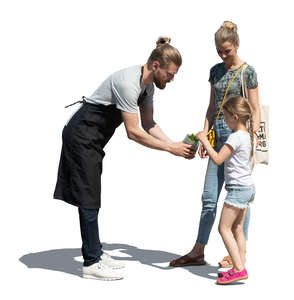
(240, 195)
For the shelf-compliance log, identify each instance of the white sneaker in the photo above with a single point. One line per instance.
(110, 262)
(101, 271)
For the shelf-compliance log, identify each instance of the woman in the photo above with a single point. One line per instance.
(227, 44)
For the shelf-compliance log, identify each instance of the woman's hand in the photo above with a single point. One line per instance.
(202, 136)
(256, 140)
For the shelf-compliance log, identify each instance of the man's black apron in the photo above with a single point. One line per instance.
(83, 140)
(80, 166)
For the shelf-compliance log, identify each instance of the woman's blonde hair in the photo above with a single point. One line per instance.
(238, 105)
(228, 32)
(164, 53)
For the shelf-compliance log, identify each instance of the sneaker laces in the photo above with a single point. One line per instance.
(230, 273)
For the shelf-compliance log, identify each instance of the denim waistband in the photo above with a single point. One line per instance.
(239, 187)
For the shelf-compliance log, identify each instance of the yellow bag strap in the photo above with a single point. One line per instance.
(228, 89)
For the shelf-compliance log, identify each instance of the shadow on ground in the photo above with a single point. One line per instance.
(64, 260)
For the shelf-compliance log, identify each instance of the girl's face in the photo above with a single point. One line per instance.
(231, 120)
(227, 52)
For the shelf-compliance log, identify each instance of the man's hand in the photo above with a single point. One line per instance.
(182, 149)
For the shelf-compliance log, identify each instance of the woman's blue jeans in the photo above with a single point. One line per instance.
(214, 181)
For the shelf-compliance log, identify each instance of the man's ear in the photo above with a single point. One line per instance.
(155, 65)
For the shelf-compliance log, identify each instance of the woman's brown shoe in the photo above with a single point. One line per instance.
(187, 260)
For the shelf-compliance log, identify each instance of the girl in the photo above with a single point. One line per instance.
(236, 153)
(221, 74)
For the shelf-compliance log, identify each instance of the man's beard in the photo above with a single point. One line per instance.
(159, 83)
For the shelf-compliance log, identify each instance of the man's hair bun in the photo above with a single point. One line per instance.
(162, 41)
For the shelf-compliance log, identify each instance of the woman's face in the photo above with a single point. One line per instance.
(227, 52)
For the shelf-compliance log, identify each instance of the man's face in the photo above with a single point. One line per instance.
(161, 76)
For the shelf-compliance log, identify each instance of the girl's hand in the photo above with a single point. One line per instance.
(201, 136)
(202, 152)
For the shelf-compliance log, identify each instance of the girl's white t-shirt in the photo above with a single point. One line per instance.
(238, 166)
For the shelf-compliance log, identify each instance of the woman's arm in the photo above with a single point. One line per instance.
(209, 118)
(217, 157)
(253, 100)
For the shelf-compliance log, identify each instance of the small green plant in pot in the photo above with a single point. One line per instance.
(191, 139)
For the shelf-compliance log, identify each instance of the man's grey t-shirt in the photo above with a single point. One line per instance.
(123, 88)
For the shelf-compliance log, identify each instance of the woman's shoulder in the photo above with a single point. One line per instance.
(251, 77)
(217, 66)
(216, 72)
(250, 69)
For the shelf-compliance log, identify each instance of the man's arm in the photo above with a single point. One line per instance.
(150, 126)
(131, 122)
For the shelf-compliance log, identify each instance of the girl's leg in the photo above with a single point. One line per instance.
(238, 231)
(229, 216)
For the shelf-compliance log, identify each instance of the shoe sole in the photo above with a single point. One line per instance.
(101, 278)
(189, 264)
(225, 267)
(233, 280)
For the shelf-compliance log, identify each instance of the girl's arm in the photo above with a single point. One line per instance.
(217, 157)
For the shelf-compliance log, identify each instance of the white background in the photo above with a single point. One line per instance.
(52, 53)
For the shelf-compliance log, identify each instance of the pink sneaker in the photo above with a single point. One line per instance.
(222, 274)
(230, 277)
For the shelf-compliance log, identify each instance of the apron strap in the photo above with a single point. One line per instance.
(80, 101)
(144, 93)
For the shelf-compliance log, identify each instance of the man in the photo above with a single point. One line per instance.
(115, 101)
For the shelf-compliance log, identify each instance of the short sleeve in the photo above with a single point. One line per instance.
(211, 75)
(126, 96)
(251, 77)
(148, 100)
(234, 141)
